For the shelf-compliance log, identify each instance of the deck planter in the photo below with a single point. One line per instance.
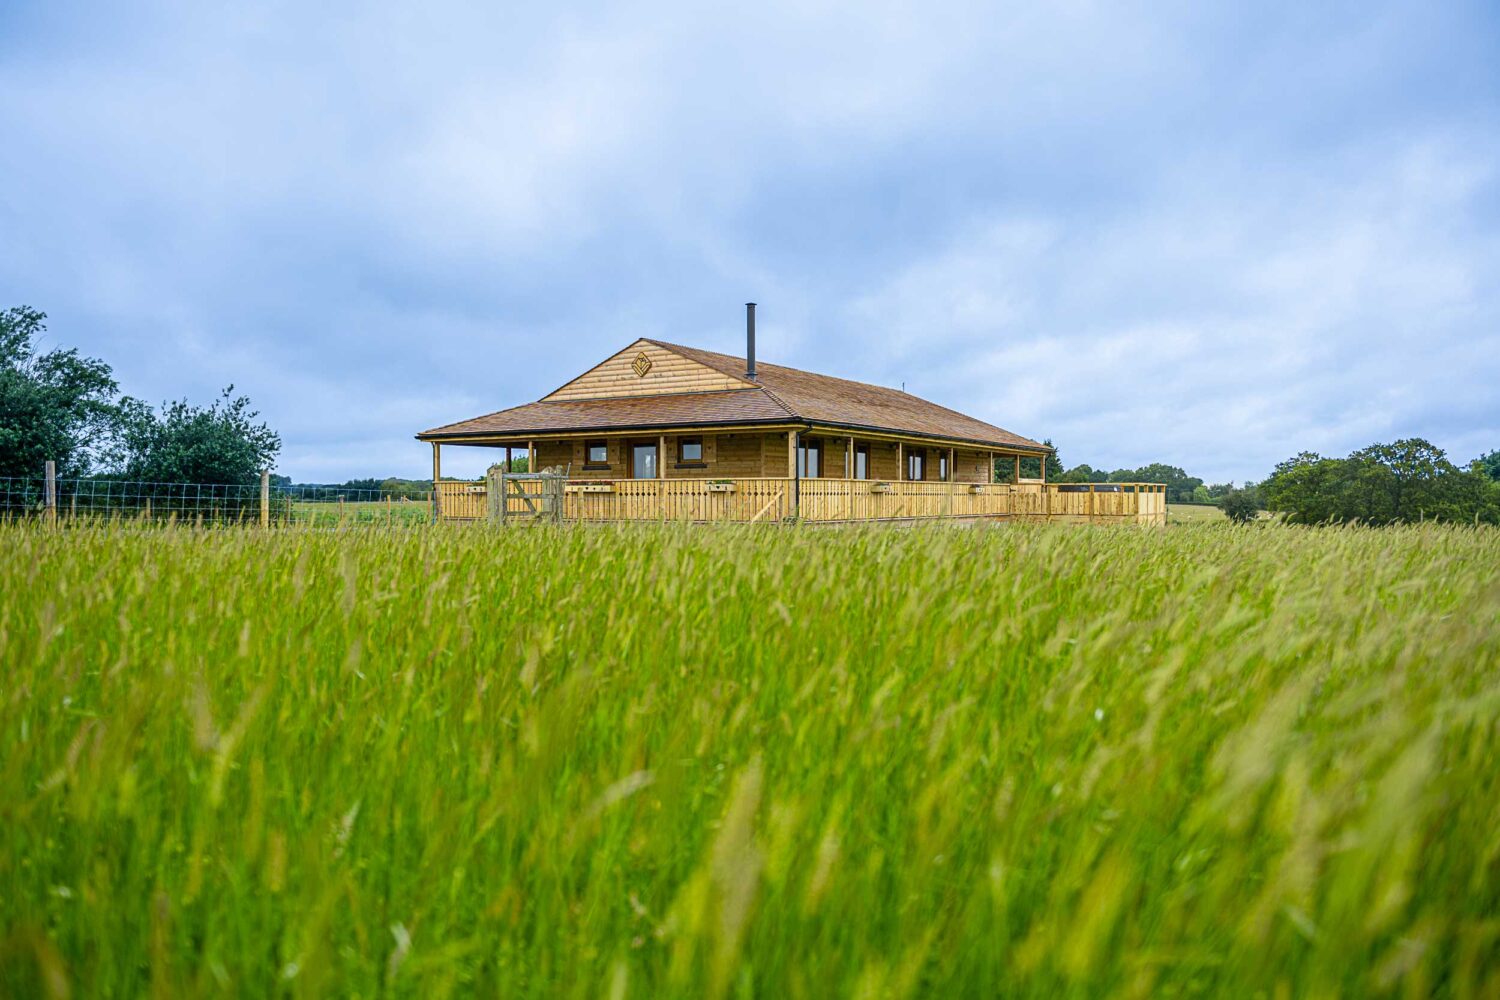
(721, 487)
(880, 487)
(976, 488)
(590, 487)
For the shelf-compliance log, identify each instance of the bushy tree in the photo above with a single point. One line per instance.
(1407, 480)
(56, 406)
(1490, 465)
(1239, 506)
(219, 443)
(1079, 474)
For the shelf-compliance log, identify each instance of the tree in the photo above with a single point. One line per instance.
(1031, 466)
(56, 406)
(1239, 506)
(1078, 474)
(220, 443)
(1490, 465)
(1306, 488)
(1407, 480)
(1180, 485)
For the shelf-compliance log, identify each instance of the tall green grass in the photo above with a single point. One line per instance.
(734, 762)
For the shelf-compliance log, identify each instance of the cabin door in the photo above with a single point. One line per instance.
(643, 460)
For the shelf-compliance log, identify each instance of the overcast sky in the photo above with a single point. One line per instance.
(1150, 233)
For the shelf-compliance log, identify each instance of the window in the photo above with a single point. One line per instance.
(943, 468)
(690, 451)
(861, 461)
(643, 461)
(596, 454)
(809, 459)
(916, 466)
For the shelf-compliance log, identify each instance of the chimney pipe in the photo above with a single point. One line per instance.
(750, 341)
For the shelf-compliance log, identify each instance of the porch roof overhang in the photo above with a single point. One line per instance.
(724, 411)
(519, 438)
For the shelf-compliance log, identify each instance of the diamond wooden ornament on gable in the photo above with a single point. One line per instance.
(642, 365)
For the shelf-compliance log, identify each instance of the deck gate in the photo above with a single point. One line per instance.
(522, 497)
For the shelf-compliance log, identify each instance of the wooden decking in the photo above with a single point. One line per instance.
(764, 500)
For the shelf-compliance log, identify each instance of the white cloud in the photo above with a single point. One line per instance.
(1208, 236)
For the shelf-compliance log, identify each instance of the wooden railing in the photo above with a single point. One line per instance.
(458, 501)
(682, 500)
(823, 500)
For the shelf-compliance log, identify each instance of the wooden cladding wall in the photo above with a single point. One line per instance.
(750, 455)
(668, 373)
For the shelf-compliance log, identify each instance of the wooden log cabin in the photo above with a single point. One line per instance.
(663, 431)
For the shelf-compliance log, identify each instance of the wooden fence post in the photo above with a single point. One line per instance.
(49, 492)
(265, 498)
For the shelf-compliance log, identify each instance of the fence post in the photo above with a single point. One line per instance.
(49, 493)
(265, 498)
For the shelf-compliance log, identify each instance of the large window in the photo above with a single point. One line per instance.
(861, 461)
(916, 466)
(643, 461)
(596, 455)
(809, 459)
(943, 468)
(690, 451)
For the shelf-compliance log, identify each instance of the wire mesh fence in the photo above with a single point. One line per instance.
(212, 504)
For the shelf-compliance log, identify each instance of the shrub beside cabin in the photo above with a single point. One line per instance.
(659, 430)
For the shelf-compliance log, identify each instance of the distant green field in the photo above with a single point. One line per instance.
(376, 512)
(1185, 513)
(1005, 760)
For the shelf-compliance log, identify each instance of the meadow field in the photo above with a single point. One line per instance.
(657, 761)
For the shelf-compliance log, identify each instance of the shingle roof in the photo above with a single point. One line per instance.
(781, 395)
(825, 399)
(735, 406)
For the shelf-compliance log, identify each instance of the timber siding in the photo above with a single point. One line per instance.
(669, 373)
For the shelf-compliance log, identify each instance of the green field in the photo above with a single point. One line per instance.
(1187, 513)
(666, 761)
(330, 513)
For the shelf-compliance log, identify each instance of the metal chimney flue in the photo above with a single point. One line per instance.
(750, 341)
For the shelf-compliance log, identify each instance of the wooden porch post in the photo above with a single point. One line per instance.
(661, 457)
(530, 456)
(1017, 478)
(900, 462)
(952, 469)
(507, 458)
(437, 475)
(791, 454)
(849, 475)
(989, 476)
(792, 438)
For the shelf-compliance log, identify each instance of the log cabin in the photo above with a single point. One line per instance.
(664, 431)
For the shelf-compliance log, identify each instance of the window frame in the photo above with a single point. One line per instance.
(683, 462)
(861, 451)
(588, 458)
(656, 459)
(943, 471)
(806, 446)
(919, 458)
